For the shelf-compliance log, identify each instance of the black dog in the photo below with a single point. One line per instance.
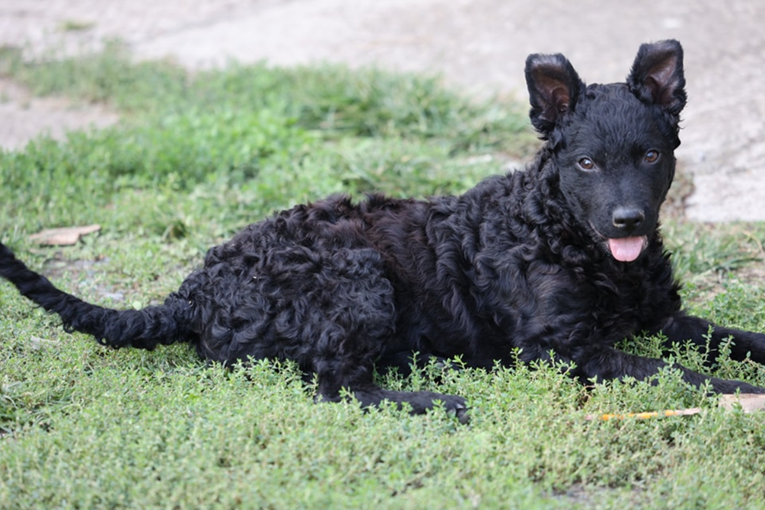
(562, 257)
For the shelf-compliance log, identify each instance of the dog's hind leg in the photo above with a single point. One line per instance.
(368, 394)
(344, 358)
(348, 319)
(330, 309)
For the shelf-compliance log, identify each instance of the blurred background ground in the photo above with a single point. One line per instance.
(476, 45)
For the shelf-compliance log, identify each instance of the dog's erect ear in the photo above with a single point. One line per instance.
(657, 75)
(554, 88)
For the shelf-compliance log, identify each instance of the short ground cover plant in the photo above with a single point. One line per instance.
(198, 157)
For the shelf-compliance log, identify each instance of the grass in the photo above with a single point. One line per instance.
(196, 158)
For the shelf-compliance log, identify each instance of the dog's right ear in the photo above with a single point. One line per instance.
(657, 75)
(554, 88)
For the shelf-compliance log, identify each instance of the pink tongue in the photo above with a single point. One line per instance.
(626, 249)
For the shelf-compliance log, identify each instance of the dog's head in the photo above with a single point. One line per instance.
(613, 145)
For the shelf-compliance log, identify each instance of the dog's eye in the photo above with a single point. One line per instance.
(586, 164)
(651, 156)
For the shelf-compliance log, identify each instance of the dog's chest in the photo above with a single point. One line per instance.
(546, 304)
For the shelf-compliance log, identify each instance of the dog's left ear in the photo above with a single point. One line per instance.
(657, 76)
(554, 88)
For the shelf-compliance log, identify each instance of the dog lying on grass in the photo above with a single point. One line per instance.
(562, 257)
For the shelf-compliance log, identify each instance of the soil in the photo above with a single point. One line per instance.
(25, 117)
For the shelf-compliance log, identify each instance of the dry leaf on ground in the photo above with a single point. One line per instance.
(63, 236)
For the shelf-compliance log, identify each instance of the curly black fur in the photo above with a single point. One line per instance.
(538, 260)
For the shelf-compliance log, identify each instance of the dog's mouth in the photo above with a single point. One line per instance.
(627, 249)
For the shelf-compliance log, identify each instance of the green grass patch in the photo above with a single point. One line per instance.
(195, 158)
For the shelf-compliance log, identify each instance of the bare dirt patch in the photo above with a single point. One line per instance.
(26, 117)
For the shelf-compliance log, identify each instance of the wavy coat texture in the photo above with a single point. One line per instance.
(521, 261)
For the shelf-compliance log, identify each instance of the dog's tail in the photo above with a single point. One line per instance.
(144, 329)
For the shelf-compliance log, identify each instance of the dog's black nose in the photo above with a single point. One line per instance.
(627, 218)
